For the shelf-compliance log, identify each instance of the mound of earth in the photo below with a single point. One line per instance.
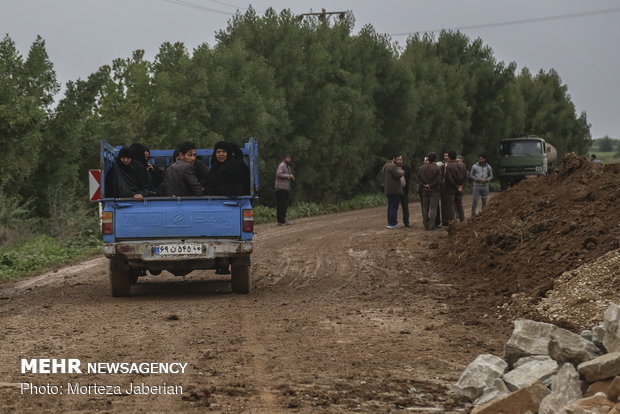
(580, 297)
(510, 254)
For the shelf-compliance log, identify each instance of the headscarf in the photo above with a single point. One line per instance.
(137, 152)
(230, 178)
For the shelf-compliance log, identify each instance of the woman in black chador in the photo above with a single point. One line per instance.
(228, 176)
(124, 180)
(154, 176)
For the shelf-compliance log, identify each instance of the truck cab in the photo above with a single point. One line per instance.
(178, 234)
(523, 158)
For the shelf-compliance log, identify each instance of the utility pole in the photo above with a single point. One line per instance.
(323, 15)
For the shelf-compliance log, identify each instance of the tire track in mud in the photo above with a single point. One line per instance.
(254, 345)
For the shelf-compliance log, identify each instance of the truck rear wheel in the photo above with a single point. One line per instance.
(120, 283)
(241, 278)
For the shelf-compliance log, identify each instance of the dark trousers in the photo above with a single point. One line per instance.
(454, 206)
(281, 205)
(447, 213)
(392, 210)
(430, 203)
(404, 203)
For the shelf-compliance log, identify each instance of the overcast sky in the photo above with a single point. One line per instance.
(82, 35)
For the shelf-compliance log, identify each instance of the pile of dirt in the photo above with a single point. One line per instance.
(510, 255)
(579, 297)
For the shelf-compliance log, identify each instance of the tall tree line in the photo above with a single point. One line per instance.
(339, 102)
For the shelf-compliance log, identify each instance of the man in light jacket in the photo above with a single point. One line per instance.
(284, 180)
(481, 174)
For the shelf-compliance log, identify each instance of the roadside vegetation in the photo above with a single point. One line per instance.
(264, 214)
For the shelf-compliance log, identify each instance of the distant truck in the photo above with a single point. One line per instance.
(177, 234)
(524, 157)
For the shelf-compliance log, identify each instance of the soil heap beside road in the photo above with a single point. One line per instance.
(509, 256)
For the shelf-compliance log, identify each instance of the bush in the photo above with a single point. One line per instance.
(79, 222)
(16, 220)
(263, 214)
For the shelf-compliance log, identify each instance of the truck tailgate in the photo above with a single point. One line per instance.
(178, 218)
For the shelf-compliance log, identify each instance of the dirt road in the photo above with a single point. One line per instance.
(346, 316)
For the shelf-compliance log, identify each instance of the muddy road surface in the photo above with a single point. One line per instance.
(345, 316)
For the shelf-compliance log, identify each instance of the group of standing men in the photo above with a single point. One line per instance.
(441, 186)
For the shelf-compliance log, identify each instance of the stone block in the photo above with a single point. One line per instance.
(518, 402)
(611, 323)
(530, 372)
(596, 403)
(496, 390)
(613, 392)
(565, 389)
(600, 368)
(525, 360)
(598, 386)
(566, 346)
(480, 374)
(528, 338)
(598, 334)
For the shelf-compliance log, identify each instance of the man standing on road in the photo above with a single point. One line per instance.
(481, 174)
(429, 177)
(454, 183)
(283, 187)
(404, 198)
(393, 183)
(443, 213)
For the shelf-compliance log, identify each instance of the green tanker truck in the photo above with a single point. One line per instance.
(524, 158)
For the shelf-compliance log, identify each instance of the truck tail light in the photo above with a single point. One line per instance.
(106, 222)
(248, 221)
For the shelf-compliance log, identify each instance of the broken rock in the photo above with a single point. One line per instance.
(566, 346)
(611, 323)
(518, 402)
(528, 338)
(496, 390)
(530, 372)
(565, 389)
(480, 374)
(600, 368)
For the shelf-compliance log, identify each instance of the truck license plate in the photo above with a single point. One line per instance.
(177, 249)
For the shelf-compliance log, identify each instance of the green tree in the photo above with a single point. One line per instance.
(551, 114)
(25, 89)
(605, 144)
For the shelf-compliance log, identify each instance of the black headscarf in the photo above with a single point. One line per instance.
(230, 178)
(125, 180)
(137, 151)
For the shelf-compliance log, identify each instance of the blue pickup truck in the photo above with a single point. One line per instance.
(177, 234)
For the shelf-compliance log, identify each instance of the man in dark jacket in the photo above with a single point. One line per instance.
(392, 174)
(179, 178)
(429, 176)
(404, 198)
(454, 182)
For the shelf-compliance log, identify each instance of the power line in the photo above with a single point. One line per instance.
(227, 4)
(511, 22)
(198, 7)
